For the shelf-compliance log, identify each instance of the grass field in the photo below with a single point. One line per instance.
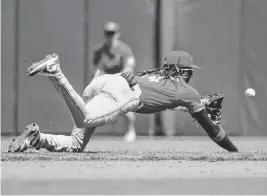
(180, 165)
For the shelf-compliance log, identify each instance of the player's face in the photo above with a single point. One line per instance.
(111, 36)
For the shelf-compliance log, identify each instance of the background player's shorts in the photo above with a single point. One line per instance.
(108, 97)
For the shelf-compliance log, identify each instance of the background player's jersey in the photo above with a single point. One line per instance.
(158, 95)
(111, 60)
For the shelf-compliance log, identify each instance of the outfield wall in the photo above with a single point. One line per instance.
(225, 37)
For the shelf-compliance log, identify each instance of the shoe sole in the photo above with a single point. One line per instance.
(20, 142)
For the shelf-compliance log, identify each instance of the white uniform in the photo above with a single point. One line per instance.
(105, 99)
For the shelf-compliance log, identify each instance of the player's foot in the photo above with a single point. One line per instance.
(130, 136)
(29, 138)
(48, 66)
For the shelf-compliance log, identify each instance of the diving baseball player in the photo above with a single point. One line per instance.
(109, 96)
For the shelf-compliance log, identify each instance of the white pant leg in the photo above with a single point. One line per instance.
(106, 98)
(113, 98)
(76, 142)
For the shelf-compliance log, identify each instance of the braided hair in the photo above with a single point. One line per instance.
(171, 71)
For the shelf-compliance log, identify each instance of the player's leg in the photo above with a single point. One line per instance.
(130, 136)
(191, 99)
(114, 96)
(76, 142)
(79, 136)
(31, 137)
(50, 67)
(103, 108)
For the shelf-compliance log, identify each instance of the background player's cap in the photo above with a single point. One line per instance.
(181, 58)
(111, 27)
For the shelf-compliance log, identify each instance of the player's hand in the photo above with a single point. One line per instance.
(130, 77)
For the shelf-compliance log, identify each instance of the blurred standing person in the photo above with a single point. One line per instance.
(111, 57)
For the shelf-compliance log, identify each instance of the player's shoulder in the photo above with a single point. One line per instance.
(123, 45)
(98, 47)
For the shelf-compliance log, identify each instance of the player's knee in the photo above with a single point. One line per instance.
(82, 122)
(88, 122)
(98, 121)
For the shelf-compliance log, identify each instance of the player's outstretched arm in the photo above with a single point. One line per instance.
(213, 105)
(215, 132)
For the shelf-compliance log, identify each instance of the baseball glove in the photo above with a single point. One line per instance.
(213, 104)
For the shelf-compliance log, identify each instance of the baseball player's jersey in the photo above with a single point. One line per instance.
(158, 95)
(111, 60)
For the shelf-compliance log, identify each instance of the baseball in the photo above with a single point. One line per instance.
(250, 92)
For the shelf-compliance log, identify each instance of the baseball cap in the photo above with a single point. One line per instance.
(111, 27)
(181, 58)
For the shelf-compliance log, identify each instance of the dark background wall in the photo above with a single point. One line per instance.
(7, 66)
(225, 37)
(49, 27)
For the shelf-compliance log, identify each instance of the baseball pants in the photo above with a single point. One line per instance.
(105, 99)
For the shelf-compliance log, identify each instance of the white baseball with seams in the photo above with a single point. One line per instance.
(250, 92)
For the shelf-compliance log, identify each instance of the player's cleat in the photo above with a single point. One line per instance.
(29, 138)
(48, 66)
